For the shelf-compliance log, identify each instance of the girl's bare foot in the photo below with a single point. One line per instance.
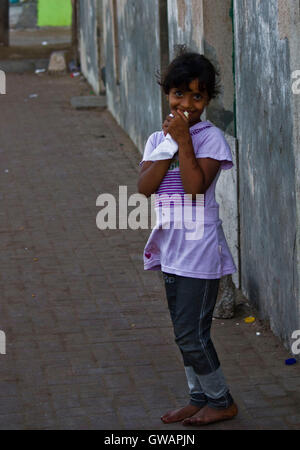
(180, 414)
(209, 415)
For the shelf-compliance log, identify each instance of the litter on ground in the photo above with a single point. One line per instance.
(249, 319)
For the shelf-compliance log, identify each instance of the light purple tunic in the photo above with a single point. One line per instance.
(169, 250)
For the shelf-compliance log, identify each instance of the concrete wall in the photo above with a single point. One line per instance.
(218, 47)
(227, 197)
(268, 133)
(23, 15)
(88, 42)
(185, 19)
(132, 57)
(101, 49)
(293, 36)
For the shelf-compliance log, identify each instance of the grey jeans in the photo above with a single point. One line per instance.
(191, 302)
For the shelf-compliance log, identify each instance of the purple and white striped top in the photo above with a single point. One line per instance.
(169, 249)
(208, 142)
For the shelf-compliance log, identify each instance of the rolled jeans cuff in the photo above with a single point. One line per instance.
(220, 403)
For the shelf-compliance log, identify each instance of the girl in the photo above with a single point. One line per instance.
(191, 267)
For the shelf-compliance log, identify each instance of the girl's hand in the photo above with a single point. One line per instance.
(166, 124)
(177, 126)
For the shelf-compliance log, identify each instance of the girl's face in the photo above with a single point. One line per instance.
(193, 101)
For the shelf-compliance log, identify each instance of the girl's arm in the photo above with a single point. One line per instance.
(153, 172)
(151, 176)
(197, 174)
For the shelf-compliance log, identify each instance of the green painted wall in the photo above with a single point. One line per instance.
(56, 13)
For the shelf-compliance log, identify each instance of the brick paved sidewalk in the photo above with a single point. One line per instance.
(89, 340)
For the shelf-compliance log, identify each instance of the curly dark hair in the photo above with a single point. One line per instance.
(186, 67)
